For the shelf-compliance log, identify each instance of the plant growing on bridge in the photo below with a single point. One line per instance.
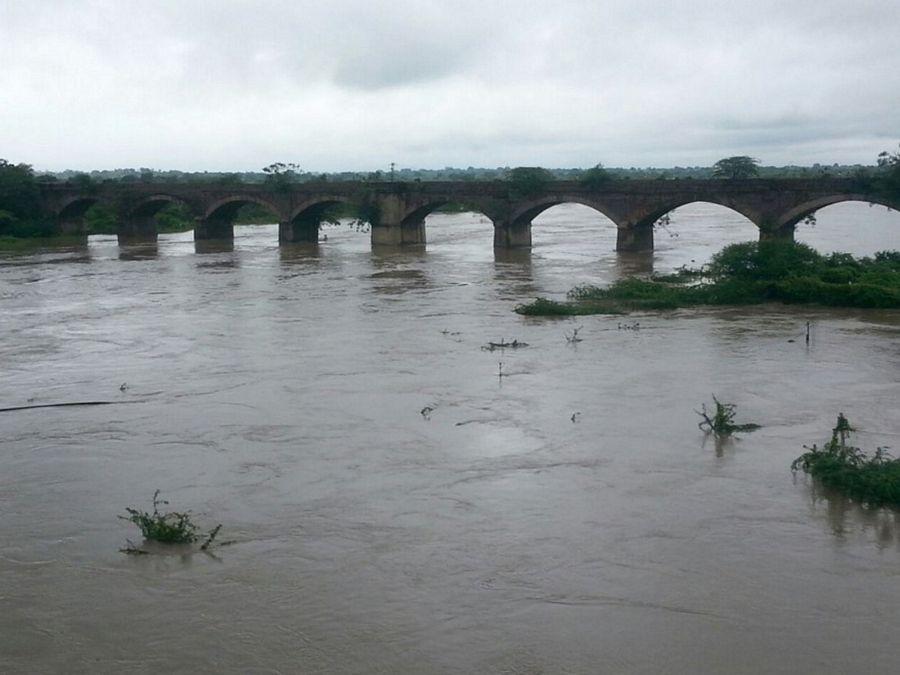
(873, 481)
(737, 167)
(721, 423)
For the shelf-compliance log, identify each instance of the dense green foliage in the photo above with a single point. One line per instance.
(748, 273)
(525, 181)
(20, 204)
(874, 481)
(595, 177)
(736, 168)
(170, 528)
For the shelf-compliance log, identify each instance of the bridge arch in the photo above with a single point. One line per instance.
(860, 228)
(140, 221)
(316, 207)
(419, 213)
(70, 218)
(525, 212)
(151, 205)
(797, 213)
(226, 208)
(305, 219)
(76, 207)
(652, 216)
(413, 222)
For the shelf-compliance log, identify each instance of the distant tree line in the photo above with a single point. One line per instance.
(281, 173)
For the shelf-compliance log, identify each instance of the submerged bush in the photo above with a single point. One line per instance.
(748, 273)
(169, 528)
(873, 481)
(722, 421)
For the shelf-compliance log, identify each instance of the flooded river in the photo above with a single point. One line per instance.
(568, 517)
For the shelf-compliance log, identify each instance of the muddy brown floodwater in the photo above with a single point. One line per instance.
(278, 392)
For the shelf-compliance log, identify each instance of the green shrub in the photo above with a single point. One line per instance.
(873, 481)
(722, 421)
(749, 273)
(763, 260)
(168, 528)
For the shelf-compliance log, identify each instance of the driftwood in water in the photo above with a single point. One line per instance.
(503, 344)
(63, 405)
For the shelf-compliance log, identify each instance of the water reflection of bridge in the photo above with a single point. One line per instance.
(397, 211)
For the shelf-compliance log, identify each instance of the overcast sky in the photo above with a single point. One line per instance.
(358, 84)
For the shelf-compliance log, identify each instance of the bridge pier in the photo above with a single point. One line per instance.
(783, 233)
(138, 230)
(399, 234)
(207, 228)
(296, 232)
(635, 238)
(512, 235)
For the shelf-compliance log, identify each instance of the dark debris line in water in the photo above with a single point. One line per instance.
(64, 405)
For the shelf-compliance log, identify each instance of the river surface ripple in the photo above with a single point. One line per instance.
(566, 518)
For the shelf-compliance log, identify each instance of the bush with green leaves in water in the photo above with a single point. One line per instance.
(873, 481)
(745, 274)
(721, 423)
(172, 527)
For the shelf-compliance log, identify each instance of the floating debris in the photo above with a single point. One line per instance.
(503, 344)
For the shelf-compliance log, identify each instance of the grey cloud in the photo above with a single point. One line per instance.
(357, 84)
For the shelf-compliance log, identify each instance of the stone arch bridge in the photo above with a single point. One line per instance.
(397, 211)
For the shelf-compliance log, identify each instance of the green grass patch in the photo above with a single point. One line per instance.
(30, 244)
(745, 274)
(872, 481)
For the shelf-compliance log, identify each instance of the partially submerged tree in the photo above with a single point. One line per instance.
(721, 423)
(873, 481)
(737, 167)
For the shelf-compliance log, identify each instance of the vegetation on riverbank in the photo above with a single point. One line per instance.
(745, 274)
(873, 481)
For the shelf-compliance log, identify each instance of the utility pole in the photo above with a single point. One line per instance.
(392, 172)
